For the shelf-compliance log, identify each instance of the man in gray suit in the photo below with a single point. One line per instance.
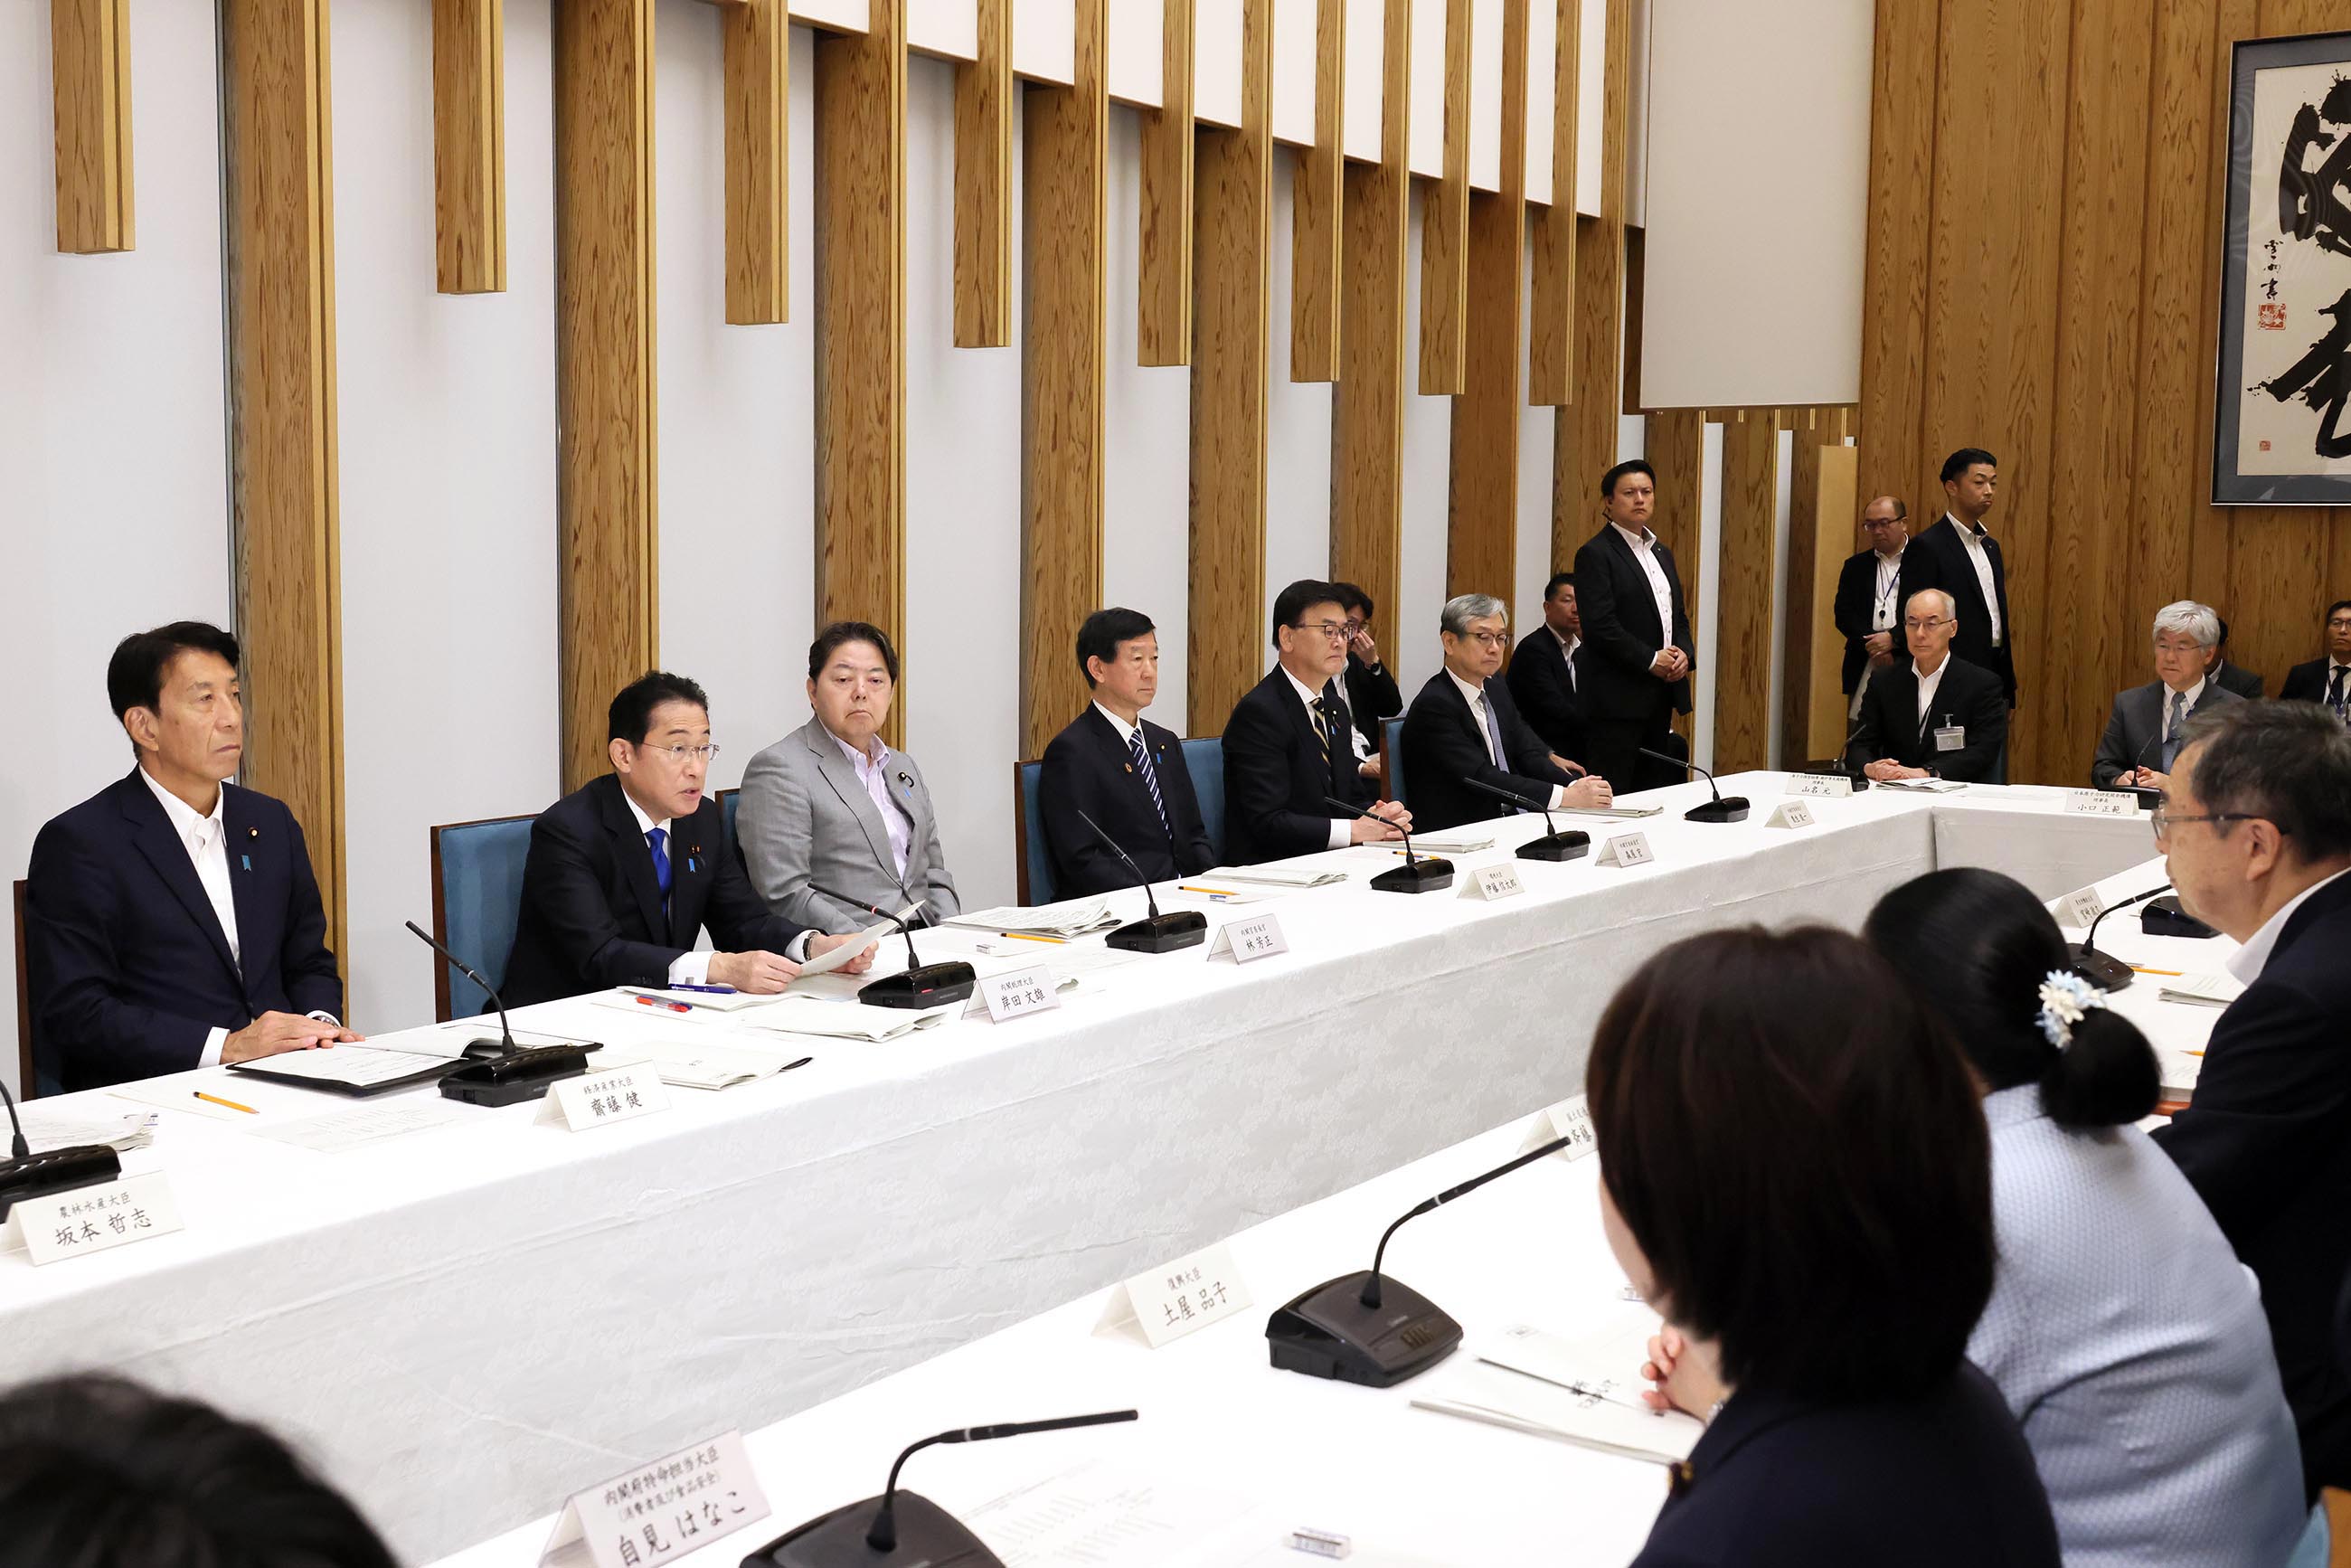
(2143, 731)
(829, 804)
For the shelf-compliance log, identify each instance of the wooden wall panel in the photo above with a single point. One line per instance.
(1741, 653)
(1231, 264)
(1318, 208)
(1900, 252)
(1445, 223)
(469, 146)
(1368, 409)
(279, 154)
(90, 55)
(608, 590)
(1550, 304)
(860, 244)
(1482, 539)
(1823, 511)
(1163, 304)
(1677, 450)
(985, 99)
(1063, 359)
(1584, 446)
(758, 85)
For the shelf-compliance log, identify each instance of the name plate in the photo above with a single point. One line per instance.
(679, 1503)
(1492, 881)
(1626, 850)
(2076, 909)
(600, 1099)
(1568, 1119)
(1825, 786)
(1009, 997)
(96, 1218)
(1168, 1302)
(2101, 803)
(1249, 940)
(1790, 814)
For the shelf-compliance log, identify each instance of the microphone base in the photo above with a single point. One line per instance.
(1161, 933)
(1329, 1332)
(1573, 844)
(1425, 874)
(1830, 767)
(924, 986)
(2101, 970)
(1729, 808)
(927, 1534)
(2164, 917)
(55, 1170)
(511, 1077)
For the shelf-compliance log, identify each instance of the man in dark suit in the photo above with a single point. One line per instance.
(1287, 746)
(1639, 652)
(2142, 732)
(1372, 693)
(2326, 679)
(171, 919)
(2230, 677)
(1868, 608)
(1936, 716)
(2256, 832)
(1957, 554)
(1121, 770)
(1464, 723)
(624, 873)
(1543, 677)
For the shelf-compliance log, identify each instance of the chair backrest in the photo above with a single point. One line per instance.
(1392, 759)
(730, 801)
(27, 1084)
(477, 904)
(1203, 758)
(1032, 862)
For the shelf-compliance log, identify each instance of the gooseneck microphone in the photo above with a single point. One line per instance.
(1157, 933)
(1417, 875)
(1368, 1329)
(1554, 845)
(907, 1527)
(1843, 766)
(922, 985)
(1721, 809)
(2103, 968)
(28, 1174)
(504, 1044)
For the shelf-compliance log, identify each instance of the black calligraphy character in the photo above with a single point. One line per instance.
(2323, 377)
(2310, 204)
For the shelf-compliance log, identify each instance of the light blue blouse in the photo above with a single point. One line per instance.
(2131, 1347)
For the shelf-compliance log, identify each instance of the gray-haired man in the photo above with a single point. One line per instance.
(2143, 731)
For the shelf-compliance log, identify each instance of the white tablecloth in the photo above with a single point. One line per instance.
(464, 1324)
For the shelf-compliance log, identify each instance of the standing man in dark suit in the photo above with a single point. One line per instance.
(2256, 832)
(2230, 677)
(1638, 652)
(1121, 770)
(1543, 676)
(2144, 730)
(625, 873)
(1286, 743)
(1957, 554)
(2326, 679)
(1464, 723)
(1937, 716)
(1868, 608)
(171, 919)
(1372, 693)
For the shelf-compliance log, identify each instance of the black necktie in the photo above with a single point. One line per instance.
(2335, 691)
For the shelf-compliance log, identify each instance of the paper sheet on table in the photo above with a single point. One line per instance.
(1275, 875)
(1922, 786)
(2203, 990)
(360, 1064)
(341, 1129)
(1104, 1516)
(1496, 1396)
(47, 1129)
(1441, 845)
(825, 963)
(1622, 812)
(1071, 917)
(690, 1064)
(828, 1018)
(177, 1091)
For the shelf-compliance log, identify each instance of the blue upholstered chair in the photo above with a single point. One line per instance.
(1392, 759)
(1204, 759)
(476, 901)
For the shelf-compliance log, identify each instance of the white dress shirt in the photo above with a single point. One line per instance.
(1340, 829)
(1489, 725)
(1125, 730)
(1885, 612)
(205, 837)
(2248, 961)
(1972, 537)
(694, 969)
(1645, 551)
(1567, 647)
(1928, 685)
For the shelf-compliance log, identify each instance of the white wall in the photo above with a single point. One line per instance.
(447, 431)
(113, 468)
(1408, 629)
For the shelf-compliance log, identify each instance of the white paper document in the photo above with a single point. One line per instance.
(830, 1018)
(1923, 786)
(1272, 875)
(691, 1064)
(1584, 1390)
(2203, 990)
(1071, 917)
(360, 1064)
(343, 1130)
(46, 1129)
(1101, 1517)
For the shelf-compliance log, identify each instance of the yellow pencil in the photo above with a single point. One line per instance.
(232, 1105)
(2143, 970)
(1025, 937)
(1219, 892)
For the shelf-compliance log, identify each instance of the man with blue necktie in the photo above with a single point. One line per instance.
(625, 873)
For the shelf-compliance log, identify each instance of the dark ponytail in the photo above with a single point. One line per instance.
(1977, 946)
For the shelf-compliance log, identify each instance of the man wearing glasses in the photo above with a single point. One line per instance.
(624, 874)
(2142, 732)
(1288, 745)
(2255, 828)
(2327, 679)
(1464, 724)
(1936, 716)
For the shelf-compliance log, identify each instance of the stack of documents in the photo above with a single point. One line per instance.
(1623, 812)
(47, 1129)
(2203, 990)
(1071, 917)
(1450, 843)
(1274, 875)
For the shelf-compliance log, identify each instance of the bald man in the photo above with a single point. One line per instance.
(1866, 609)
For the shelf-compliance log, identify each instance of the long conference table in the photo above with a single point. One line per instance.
(463, 1325)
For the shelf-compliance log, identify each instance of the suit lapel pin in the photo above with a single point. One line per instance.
(253, 833)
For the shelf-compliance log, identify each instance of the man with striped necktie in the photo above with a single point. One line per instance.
(1118, 768)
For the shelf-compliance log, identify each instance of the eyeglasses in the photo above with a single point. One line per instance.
(2162, 820)
(1336, 631)
(1928, 625)
(1487, 639)
(681, 755)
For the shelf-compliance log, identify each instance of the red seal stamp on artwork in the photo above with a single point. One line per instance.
(2272, 317)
